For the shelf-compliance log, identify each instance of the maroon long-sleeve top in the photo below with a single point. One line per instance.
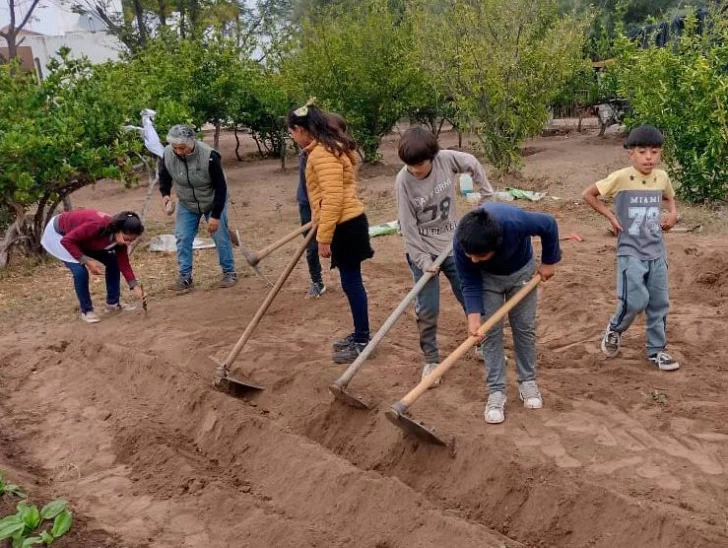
(84, 230)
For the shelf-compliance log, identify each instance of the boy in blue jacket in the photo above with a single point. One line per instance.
(494, 259)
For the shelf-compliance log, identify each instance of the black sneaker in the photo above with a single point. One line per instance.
(229, 279)
(344, 343)
(664, 361)
(184, 284)
(610, 342)
(350, 353)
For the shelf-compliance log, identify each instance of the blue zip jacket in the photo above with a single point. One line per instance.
(514, 252)
(302, 192)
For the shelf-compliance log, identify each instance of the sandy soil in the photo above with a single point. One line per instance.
(120, 419)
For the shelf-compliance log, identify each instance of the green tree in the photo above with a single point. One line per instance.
(503, 62)
(54, 139)
(683, 90)
(361, 62)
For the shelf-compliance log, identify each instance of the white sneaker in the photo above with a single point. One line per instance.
(495, 409)
(90, 317)
(530, 395)
(429, 368)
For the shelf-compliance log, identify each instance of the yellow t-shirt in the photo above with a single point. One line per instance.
(637, 203)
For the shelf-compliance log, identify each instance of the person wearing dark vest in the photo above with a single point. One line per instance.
(195, 171)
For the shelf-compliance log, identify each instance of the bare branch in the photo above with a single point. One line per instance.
(27, 15)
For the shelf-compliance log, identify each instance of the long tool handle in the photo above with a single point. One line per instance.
(344, 380)
(268, 300)
(255, 258)
(471, 341)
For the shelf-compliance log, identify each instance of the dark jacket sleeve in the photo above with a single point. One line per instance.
(471, 280)
(73, 239)
(544, 226)
(217, 177)
(165, 179)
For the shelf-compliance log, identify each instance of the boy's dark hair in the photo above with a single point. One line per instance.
(418, 145)
(127, 222)
(321, 126)
(479, 233)
(644, 136)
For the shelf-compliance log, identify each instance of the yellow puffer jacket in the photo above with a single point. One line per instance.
(331, 186)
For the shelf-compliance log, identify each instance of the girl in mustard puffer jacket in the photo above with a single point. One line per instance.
(343, 229)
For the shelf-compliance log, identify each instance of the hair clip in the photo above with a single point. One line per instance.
(303, 111)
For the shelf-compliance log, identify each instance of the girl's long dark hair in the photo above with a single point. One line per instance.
(320, 126)
(127, 222)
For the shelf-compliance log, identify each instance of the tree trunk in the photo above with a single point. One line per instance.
(460, 139)
(237, 144)
(216, 142)
(139, 14)
(67, 204)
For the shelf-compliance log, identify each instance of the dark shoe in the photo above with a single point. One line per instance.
(344, 343)
(350, 353)
(184, 284)
(664, 361)
(317, 289)
(229, 279)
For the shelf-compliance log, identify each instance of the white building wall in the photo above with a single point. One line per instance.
(98, 47)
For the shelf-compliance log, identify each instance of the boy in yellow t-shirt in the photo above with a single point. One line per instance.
(638, 192)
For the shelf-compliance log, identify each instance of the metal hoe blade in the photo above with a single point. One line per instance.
(413, 427)
(340, 393)
(236, 388)
(231, 386)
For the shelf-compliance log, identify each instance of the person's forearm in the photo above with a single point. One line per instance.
(597, 205)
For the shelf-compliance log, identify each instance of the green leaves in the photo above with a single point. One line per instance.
(27, 519)
(29, 514)
(362, 61)
(9, 488)
(62, 524)
(11, 526)
(683, 90)
(503, 62)
(52, 509)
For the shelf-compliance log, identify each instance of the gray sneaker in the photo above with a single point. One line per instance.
(610, 342)
(495, 409)
(316, 290)
(184, 284)
(530, 395)
(229, 279)
(664, 361)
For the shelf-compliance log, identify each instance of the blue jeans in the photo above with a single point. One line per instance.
(642, 286)
(522, 319)
(353, 286)
(81, 276)
(188, 222)
(427, 305)
(312, 257)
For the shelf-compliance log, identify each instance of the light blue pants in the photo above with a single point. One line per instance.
(522, 319)
(188, 222)
(642, 286)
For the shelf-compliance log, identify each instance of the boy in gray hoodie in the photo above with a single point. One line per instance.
(426, 207)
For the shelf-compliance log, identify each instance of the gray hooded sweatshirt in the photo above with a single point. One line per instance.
(426, 207)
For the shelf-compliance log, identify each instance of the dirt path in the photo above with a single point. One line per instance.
(120, 419)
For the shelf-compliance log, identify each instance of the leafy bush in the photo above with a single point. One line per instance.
(683, 90)
(360, 61)
(20, 526)
(502, 61)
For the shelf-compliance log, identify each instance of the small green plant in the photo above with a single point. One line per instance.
(20, 526)
(9, 488)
